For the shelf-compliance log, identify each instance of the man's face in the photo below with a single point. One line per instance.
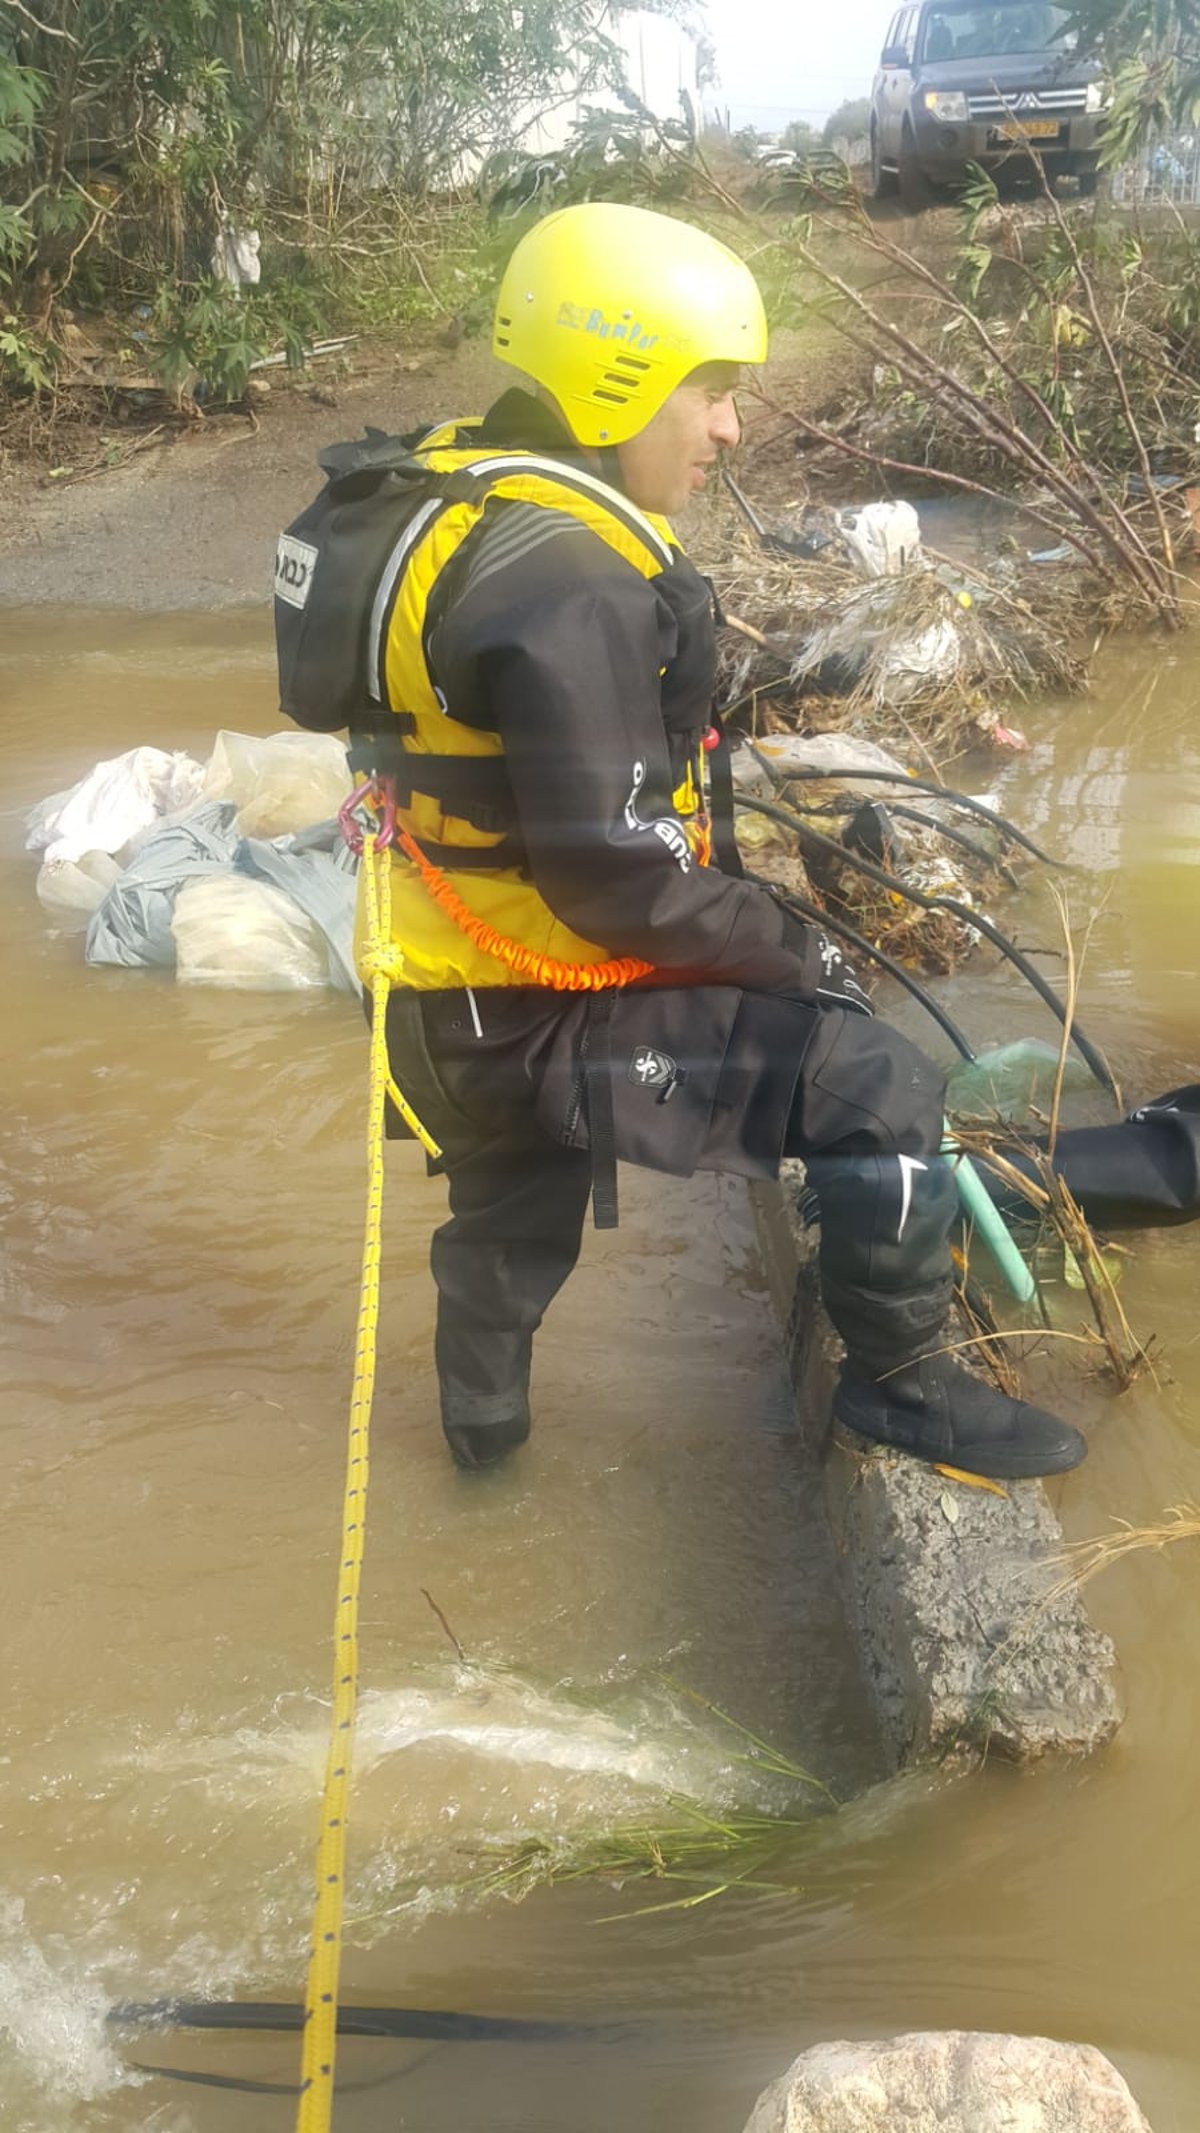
(667, 461)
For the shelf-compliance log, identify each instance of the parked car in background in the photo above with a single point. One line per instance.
(962, 82)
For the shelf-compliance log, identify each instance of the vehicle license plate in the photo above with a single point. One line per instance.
(1028, 130)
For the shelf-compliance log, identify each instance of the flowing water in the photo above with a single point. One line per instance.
(182, 1179)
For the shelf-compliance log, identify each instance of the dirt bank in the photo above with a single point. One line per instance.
(190, 518)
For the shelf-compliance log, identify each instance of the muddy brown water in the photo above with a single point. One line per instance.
(182, 1182)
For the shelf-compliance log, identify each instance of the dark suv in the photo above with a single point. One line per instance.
(961, 82)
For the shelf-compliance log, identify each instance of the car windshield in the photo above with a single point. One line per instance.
(954, 31)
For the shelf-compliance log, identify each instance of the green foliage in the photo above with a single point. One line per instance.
(1115, 27)
(131, 134)
(22, 93)
(208, 335)
(15, 234)
(977, 200)
(624, 154)
(1049, 293)
(23, 360)
(801, 138)
(1152, 51)
(850, 122)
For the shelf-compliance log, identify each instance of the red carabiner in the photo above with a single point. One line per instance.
(378, 794)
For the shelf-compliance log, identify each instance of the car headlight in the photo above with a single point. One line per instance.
(1099, 96)
(947, 104)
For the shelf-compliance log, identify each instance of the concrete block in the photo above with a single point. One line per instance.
(946, 1584)
(950, 2081)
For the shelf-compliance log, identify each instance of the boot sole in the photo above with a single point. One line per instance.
(991, 1466)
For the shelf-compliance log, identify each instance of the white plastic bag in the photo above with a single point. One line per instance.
(75, 888)
(933, 654)
(239, 933)
(118, 798)
(235, 256)
(883, 539)
(280, 784)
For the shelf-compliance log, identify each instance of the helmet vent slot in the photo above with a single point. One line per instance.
(631, 362)
(613, 399)
(614, 377)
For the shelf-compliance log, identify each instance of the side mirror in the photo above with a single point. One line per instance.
(894, 55)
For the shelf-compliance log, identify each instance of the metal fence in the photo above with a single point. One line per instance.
(857, 153)
(1167, 175)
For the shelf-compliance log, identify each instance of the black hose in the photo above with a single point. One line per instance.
(813, 912)
(928, 902)
(288, 2015)
(248, 2087)
(851, 774)
(955, 836)
(794, 544)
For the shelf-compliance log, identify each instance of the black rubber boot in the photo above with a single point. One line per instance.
(936, 1410)
(481, 1428)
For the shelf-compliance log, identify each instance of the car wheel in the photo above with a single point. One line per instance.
(884, 183)
(1089, 181)
(915, 188)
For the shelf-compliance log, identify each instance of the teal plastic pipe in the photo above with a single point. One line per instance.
(988, 1220)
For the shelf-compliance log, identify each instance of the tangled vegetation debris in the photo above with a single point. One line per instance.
(934, 652)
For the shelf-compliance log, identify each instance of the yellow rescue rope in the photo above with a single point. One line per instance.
(321, 1999)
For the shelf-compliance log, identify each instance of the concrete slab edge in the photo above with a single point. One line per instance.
(968, 1640)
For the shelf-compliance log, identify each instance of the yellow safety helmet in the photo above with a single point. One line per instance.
(611, 307)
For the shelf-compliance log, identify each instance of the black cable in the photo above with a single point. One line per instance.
(289, 2015)
(955, 836)
(926, 901)
(838, 809)
(813, 912)
(851, 774)
(248, 2087)
(793, 544)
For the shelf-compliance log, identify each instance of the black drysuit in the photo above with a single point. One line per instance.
(737, 1051)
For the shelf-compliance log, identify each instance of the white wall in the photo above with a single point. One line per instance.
(660, 61)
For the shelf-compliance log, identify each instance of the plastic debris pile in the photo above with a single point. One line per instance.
(849, 605)
(233, 873)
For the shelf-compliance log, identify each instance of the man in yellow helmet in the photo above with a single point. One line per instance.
(583, 977)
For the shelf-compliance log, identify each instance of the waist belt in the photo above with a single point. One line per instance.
(473, 858)
(473, 787)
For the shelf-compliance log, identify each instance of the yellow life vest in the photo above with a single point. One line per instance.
(434, 951)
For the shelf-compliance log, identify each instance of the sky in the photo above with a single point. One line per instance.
(793, 59)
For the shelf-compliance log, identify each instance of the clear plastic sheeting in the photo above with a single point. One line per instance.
(318, 872)
(279, 784)
(1013, 1080)
(239, 933)
(116, 801)
(791, 754)
(73, 889)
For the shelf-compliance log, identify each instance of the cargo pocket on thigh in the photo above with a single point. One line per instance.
(653, 1059)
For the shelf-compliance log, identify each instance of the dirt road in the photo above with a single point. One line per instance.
(191, 520)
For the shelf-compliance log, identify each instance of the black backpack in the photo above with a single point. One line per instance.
(338, 567)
